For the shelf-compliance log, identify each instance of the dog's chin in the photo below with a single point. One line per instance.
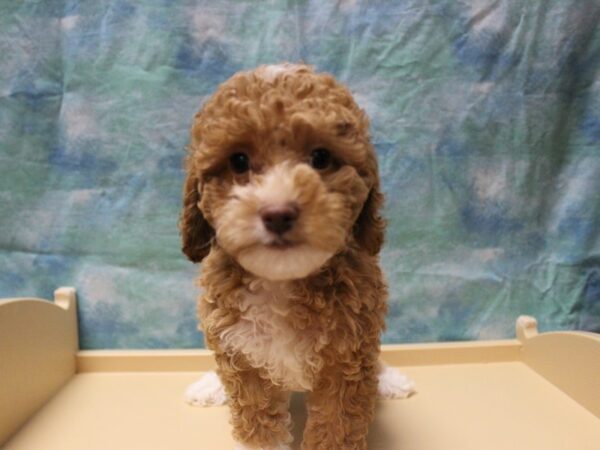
(284, 262)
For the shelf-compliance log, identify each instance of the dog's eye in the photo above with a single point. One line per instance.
(320, 158)
(239, 162)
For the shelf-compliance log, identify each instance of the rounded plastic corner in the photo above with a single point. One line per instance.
(527, 328)
(65, 297)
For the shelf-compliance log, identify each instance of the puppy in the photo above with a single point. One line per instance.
(282, 206)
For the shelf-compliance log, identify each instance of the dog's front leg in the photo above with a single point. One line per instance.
(341, 409)
(259, 409)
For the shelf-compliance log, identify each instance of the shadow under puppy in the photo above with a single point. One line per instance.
(282, 206)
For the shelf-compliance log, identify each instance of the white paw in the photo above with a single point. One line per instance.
(394, 384)
(207, 391)
(239, 446)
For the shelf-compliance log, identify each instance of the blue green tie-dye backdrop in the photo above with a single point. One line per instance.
(485, 116)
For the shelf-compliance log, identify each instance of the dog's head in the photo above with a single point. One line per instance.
(281, 174)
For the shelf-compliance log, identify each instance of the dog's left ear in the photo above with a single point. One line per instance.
(370, 226)
(196, 233)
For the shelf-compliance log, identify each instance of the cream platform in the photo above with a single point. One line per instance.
(537, 392)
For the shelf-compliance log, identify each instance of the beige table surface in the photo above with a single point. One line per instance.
(495, 406)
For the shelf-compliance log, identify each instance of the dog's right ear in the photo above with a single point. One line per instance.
(196, 233)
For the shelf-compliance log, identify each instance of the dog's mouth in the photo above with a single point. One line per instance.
(281, 259)
(280, 243)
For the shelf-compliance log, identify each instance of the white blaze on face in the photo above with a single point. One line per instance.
(276, 189)
(241, 232)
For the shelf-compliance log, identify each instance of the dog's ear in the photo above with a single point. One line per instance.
(196, 233)
(369, 228)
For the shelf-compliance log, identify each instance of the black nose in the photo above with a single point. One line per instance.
(279, 219)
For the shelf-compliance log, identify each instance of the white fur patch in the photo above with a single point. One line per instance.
(267, 339)
(394, 384)
(277, 264)
(207, 391)
(272, 71)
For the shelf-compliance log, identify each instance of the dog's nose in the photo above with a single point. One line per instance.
(279, 219)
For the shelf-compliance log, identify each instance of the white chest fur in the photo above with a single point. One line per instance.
(265, 335)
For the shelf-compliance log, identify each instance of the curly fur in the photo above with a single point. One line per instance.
(306, 317)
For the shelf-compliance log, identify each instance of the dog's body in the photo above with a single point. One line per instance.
(282, 204)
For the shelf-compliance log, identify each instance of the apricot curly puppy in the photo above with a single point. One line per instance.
(281, 203)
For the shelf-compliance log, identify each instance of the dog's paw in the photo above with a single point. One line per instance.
(239, 446)
(207, 391)
(394, 384)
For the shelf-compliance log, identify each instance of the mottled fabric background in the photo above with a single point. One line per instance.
(485, 116)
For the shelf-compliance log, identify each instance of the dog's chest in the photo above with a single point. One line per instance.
(266, 336)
